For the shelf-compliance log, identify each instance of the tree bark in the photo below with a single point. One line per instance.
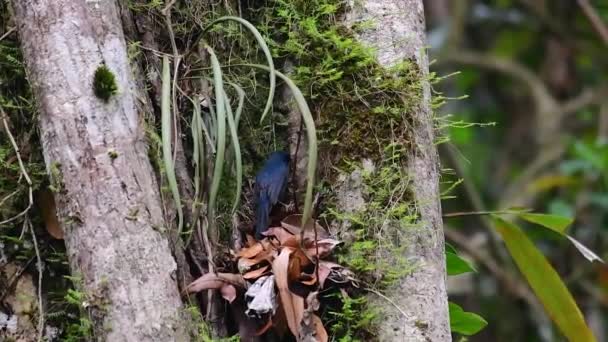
(108, 199)
(398, 34)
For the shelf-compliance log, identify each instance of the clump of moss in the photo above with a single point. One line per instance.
(104, 83)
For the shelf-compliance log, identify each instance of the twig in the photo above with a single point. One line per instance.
(542, 97)
(388, 300)
(595, 19)
(602, 127)
(8, 33)
(21, 167)
(479, 213)
(11, 282)
(40, 270)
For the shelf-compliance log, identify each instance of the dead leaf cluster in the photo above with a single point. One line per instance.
(288, 261)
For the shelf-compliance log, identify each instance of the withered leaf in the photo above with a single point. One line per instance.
(292, 304)
(256, 273)
(292, 223)
(228, 292)
(215, 281)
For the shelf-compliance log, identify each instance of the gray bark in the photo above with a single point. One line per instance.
(398, 33)
(109, 207)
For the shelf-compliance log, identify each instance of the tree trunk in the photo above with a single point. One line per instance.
(398, 34)
(108, 200)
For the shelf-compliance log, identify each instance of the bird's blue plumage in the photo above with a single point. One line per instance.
(270, 182)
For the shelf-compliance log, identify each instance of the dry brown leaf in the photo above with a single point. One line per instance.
(294, 269)
(256, 273)
(264, 328)
(46, 203)
(340, 273)
(215, 281)
(312, 329)
(250, 252)
(320, 332)
(304, 259)
(292, 224)
(326, 246)
(279, 233)
(245, 264)
(307, 279)
(324, 272)
(228, 292)
(292, 304)
(250, 241)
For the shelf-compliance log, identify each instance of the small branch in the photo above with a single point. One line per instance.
(40, 270)
(515, 193)
(594, 19)
(8, 33)
(602, 129)
(21, 167)
(479, 213)
(586, 98)
(541, 95)
(14, 278)
(388, 300)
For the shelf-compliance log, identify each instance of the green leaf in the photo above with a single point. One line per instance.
(450, 248)
(465, 323)
(456, 265)
(166, 126)
(554, 222)
(545, 282)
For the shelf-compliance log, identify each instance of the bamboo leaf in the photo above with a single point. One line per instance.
(556, 223)
(545, 282)
(560, 224)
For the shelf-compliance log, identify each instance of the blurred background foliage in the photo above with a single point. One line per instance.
(537, 69)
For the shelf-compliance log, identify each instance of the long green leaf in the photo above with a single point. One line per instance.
(545, 282)
(198, 153)
(260, 39)
(560, 224)
(220, 112)
(556, 223)
(239, 107)
(311, 134)
(166, 139)
(237, 152)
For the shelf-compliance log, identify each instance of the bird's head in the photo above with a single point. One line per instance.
(279, 156)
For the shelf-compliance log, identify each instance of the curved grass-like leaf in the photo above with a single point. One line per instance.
(220, 112)
(166, 141)
(545, 282)
(198, 154)
(237, 152)
(239, 107)
(311, 134)
(260, 39)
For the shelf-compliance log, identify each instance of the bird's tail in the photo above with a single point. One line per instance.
(261, 215)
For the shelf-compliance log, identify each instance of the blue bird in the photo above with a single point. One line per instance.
(270, 183)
